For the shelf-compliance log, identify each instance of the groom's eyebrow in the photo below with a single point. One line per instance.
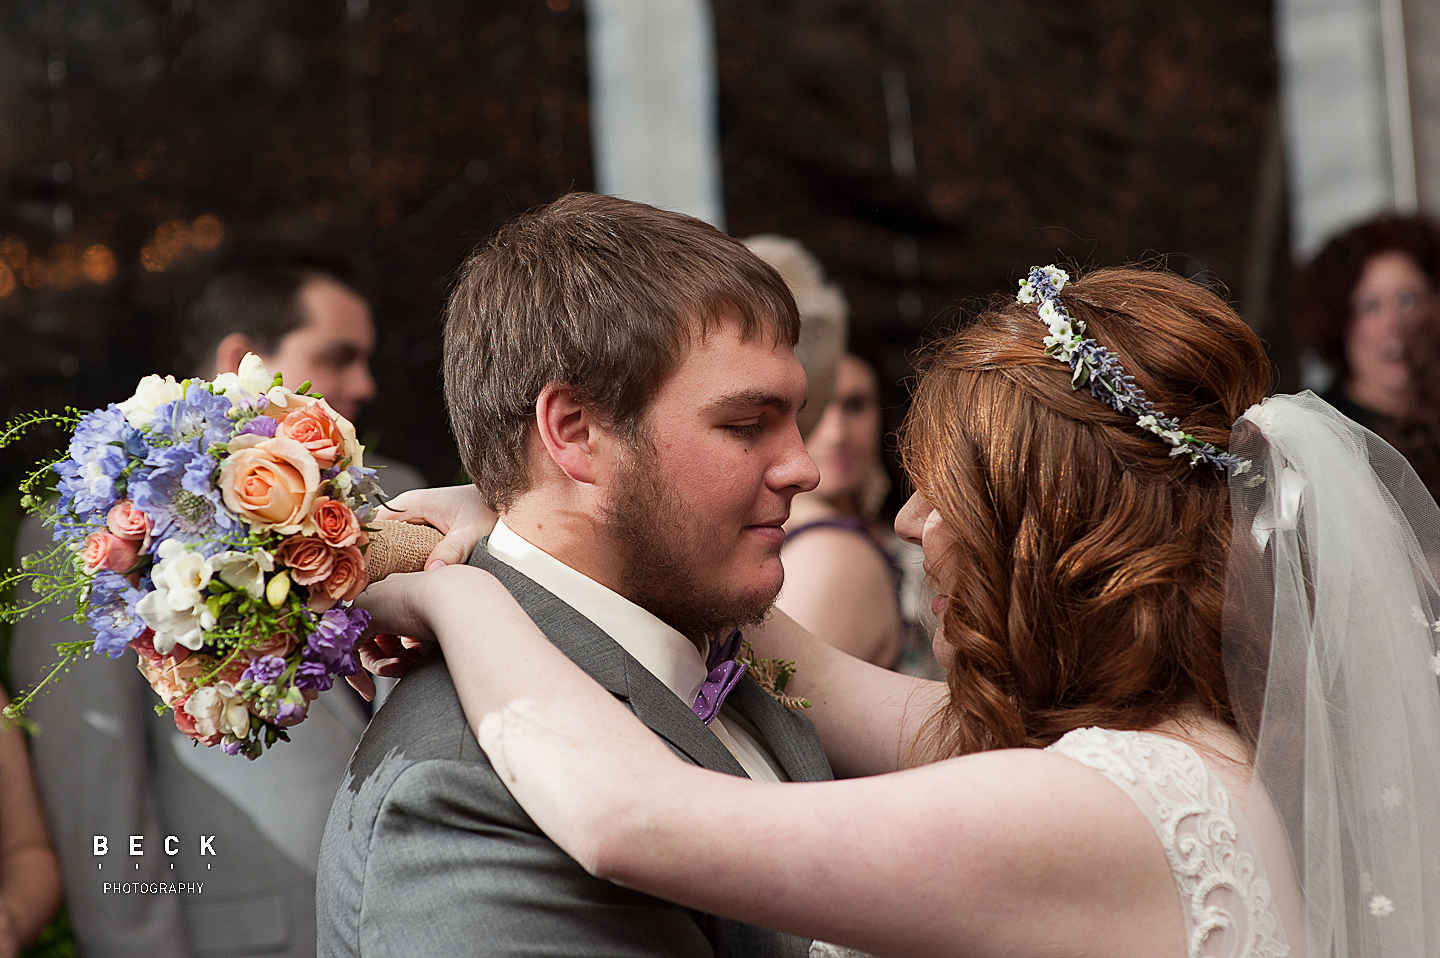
(747, 400)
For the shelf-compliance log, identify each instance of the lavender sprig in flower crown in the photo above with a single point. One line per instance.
(215, 528)
(1095, 366)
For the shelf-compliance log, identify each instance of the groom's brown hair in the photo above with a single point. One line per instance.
(603, 295)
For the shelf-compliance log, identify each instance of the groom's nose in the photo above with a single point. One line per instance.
(794, 471)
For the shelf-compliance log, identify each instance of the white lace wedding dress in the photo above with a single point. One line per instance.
(1229, 910)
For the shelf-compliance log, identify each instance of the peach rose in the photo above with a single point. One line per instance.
(270, 483)
(106, 551)
(347, 580)
(315, 428)
(336, 524)
(172, 675)
(127, 522)
(308, 559)
(282, 402)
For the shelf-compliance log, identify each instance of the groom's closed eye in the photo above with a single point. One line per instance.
(745, 430)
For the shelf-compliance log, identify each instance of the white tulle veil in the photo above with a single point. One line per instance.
(1332, 615)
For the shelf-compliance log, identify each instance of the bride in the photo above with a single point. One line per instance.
(1191, 706)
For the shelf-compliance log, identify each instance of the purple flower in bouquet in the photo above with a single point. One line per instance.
(363, 485)
(265, 669)
(333, 641)
(198, 416)
(97, 459)
(98, 429)
(260, 426)
(289, 713)
(177, 494)
(313, 676)
(112, 613)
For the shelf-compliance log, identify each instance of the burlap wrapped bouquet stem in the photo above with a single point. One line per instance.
(398, 547)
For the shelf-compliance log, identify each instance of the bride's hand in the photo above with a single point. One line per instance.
(399, 624)
(455, 510)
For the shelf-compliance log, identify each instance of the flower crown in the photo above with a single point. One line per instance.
(1093, 365)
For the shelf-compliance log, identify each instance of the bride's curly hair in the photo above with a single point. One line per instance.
(1087, 572)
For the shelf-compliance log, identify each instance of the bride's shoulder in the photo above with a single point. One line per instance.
(1197, 753)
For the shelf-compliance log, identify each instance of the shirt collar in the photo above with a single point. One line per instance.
(665, 653)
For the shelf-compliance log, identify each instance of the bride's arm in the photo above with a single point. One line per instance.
(1004, 852)
(867, 717)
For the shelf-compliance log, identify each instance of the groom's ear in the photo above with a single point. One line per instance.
(573, 435)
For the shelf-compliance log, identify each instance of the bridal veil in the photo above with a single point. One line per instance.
(1331, 622)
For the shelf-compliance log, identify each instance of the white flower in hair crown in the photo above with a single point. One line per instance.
(1095, 366)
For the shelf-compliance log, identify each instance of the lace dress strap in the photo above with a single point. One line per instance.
(1227, 902)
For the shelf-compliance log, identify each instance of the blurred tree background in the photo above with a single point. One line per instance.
(929, 151)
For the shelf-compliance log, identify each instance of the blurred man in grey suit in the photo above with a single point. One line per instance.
(623, 385)
(245, 834)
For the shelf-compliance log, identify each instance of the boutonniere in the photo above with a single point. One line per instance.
(772, 675)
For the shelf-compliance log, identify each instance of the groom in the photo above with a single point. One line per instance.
(623, 387)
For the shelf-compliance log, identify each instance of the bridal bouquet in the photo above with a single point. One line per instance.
(217, 529)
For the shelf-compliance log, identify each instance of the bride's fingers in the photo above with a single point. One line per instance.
(362, 683)
(389, 655)
(434, 507)
(455, 548)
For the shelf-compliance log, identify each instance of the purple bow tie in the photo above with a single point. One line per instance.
(725, 671)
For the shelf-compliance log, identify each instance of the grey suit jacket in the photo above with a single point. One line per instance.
(427, 854)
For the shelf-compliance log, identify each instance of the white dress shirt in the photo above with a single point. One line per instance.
(664, 652)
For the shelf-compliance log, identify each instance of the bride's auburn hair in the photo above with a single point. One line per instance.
(1087, 572)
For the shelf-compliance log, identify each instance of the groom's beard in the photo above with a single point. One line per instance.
(664, 572)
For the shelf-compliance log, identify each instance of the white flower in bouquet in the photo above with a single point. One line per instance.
(243, 570)
(249, 384)
(182, 574)
(172, 627)
(218, 710)
(152, 393)
(176, 609)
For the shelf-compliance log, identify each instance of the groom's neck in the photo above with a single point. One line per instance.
(569, 533)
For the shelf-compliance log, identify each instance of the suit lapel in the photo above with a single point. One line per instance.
(791, 737)
(602, 658)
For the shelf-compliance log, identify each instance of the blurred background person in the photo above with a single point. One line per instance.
(841, 582)
(841, 576)
(99, 724)
(29, 874)
(1416, 432)
(1356, 304)
(304, 320)
(824, 319)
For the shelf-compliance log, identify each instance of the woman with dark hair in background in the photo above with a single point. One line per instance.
(1356, 303)
(840, 580)
(1416, 433)
(1161, 734)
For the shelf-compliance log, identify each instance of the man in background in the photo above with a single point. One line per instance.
(245, 834)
